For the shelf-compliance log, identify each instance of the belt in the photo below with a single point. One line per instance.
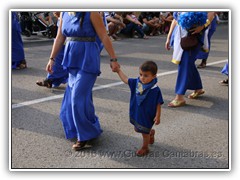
(84, 39)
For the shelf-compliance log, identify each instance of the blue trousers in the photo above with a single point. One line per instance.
(77, 111)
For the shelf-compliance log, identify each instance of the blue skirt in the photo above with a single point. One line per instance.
(59, 75)
(188, 75)
(77, 111)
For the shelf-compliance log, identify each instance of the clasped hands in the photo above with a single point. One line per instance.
(115, 66)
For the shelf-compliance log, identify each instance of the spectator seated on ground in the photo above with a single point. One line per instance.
(150, 21)
(132, 25)
(115, 24)
(166, 20)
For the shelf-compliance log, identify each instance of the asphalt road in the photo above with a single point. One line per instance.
(193, 136)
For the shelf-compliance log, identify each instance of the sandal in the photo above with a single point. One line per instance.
(22, 65)
(79, 145)
(46, 82)
(142, 152)
(203, 64)
(195, 95)
(224, 82)
(152, 133)
(176, 103)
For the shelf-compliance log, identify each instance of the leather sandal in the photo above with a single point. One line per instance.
(195, 95)
(142, 152)
(79, 145)
(152, 133)
(176, 103)
(46, 82)
(224, 82)
(22, 65)
(203, 64)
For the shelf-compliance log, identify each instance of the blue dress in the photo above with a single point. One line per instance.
(142, 116)
(82, 60)
(188, 75)
(17, 43)
(212, 29)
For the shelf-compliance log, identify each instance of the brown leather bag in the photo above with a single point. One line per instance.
(189, 42)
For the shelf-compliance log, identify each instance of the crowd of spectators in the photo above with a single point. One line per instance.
(137, 24)
(127, 24)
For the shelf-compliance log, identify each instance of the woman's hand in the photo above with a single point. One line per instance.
(115, 66)
(197, 29)
(49, 67)
(167, 44)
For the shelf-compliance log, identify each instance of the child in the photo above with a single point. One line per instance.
(145, 102)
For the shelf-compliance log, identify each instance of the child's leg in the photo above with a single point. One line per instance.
(152, 133)
(144, 150)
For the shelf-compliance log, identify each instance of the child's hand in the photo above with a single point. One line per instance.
(117, 70)
(156, 120)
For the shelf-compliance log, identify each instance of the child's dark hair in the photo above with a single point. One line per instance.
(149, 66)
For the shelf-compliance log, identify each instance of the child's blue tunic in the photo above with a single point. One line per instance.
(142, 116)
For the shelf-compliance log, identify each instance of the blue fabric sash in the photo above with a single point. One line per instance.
(142, 90)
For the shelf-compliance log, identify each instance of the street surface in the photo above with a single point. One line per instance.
(193, 136)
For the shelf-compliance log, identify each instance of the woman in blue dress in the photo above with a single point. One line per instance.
(59, 75)
(188, 75)
(211, 29)
(18, 56)
(82, 60)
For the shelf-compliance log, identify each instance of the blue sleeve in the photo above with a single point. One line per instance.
(132, 84)
(175, 15)
(160, 98)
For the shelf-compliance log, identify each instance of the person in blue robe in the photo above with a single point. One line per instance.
(82, 61)
(188, 75)
(212, 28)
(60, 74)
(18, 55)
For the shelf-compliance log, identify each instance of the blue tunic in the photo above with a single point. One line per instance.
(188, 75)
(82, 55)
(17, 43)
(142, 116)
(82, 60)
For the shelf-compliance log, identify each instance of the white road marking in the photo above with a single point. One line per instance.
(35, 101)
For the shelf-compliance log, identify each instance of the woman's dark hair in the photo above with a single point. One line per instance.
(82, 18)
(149, 66)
